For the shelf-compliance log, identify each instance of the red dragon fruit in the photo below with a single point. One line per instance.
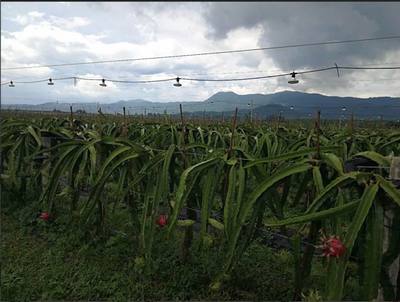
(331, 246)
(45, 216)
(161, 221)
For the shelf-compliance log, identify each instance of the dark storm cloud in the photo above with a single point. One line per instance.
(297, 23)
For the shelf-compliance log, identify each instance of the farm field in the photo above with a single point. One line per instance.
(116, 208)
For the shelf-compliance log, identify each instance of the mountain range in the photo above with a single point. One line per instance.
(288, 103)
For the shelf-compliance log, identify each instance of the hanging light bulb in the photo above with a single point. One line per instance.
(11, 84)
(291, 107)
(344, 108)
(177, 84)
(248, 104)
(50, 82)
(309, 114)
(212, 103)
(103, 84)
(293, 80)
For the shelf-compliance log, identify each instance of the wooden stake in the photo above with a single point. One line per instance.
(190, 213)
(251, 113)
(72, 118)
(229, 155)
(351, 126)
(298, 123)
(233, 132)
(99, 203)
(125, 130)
(185, 163)
(318, 126)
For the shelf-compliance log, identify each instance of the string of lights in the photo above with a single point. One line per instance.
(206, 53)
(256, 85)
(293, 74)
(223, 73)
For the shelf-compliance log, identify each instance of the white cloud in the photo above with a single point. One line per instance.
(35, 14)
(23, 20)
(69, 23)
(28, 18)
(79, 32)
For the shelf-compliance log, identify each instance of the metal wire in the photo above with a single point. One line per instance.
(216, 80)
(207, 53)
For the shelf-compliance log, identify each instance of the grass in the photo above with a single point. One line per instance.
(57, 261)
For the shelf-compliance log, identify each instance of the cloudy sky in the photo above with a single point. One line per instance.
(62, 32)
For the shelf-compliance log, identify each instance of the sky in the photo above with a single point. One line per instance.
(67, 32)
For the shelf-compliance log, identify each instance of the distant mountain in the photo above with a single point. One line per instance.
(305, 104)
(263, 104)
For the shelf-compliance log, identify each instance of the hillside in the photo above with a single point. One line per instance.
(264, 104)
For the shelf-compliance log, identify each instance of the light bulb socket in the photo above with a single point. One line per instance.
(177, 84)
(293, 80)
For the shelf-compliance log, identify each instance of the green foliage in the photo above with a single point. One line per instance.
(146, 171)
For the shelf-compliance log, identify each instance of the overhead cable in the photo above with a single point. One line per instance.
(205, 53)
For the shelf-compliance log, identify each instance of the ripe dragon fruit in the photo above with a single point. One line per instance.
(161, 221)
(45, 216)
(331, 246)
